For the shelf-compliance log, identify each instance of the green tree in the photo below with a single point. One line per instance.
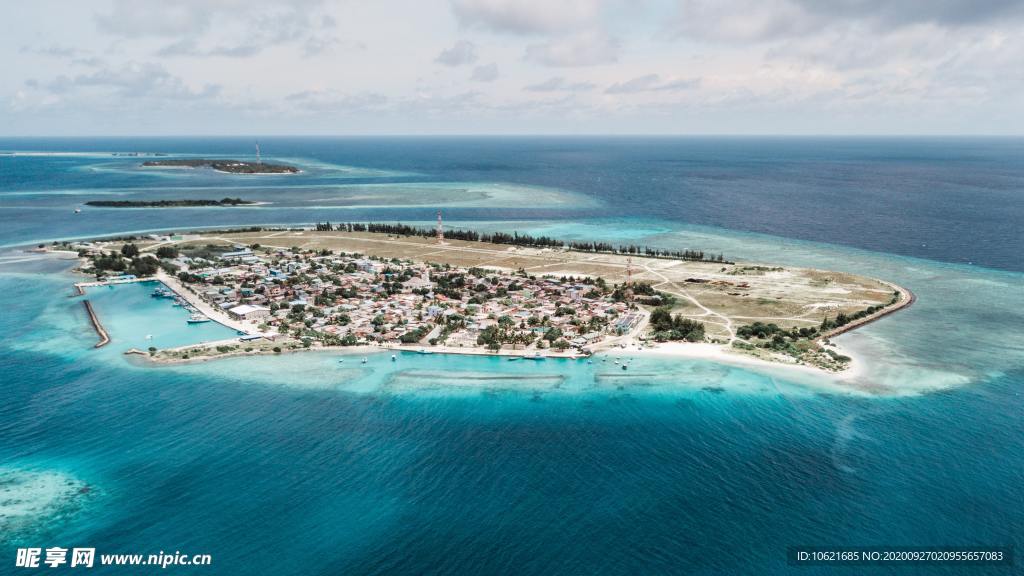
(167, 252)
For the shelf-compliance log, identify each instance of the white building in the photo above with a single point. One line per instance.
(249, 312)
(237, 254)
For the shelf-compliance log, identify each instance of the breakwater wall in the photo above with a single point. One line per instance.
(100, 330)
(907, 298)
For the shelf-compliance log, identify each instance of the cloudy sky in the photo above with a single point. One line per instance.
(512, 66)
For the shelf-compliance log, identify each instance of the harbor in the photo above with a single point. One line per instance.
(127, 315)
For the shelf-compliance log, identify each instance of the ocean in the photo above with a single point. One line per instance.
(302, 464)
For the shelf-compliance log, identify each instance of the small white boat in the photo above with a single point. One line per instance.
(78, 210)
(197, 319)
(393, 357)
(364, 360)
(425, 351)
(149, 336)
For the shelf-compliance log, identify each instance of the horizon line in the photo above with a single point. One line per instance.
(528, 135)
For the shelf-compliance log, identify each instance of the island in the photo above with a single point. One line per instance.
(187, 203)
(400, 287)
(229, 166)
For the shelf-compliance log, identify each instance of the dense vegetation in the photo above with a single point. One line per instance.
(643, 293)
(233, 166)
(128, 261)
(414, 336)
(762, 330)
(604, 247)
(167, 252)
(166, 203)
(666, 327)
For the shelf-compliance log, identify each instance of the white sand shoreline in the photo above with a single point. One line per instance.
(723, 355)
(678, 350)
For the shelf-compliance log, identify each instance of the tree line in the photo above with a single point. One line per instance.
(636, 250)
(517, 239)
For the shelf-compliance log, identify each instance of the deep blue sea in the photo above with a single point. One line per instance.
(437, 464)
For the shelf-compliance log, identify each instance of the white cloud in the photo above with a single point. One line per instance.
(527, 16)
(226, 28)
(742, 20)
(652, 83)
(132, 19)
(587, 49)
(246, 65)
(486, 73)
(133, 80)
(318, 101)
(766, 20)
(462, 52)
(53, 50)
(560, 84)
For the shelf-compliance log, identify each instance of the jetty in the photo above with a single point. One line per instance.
(100, 330)
(128, 279)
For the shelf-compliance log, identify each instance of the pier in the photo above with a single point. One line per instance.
(82, 285)
(205, 308)
(100, 330)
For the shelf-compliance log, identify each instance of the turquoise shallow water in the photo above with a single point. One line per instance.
(137, 320)
(452, 464)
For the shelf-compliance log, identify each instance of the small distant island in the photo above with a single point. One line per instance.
(229, 166)
(168, 203)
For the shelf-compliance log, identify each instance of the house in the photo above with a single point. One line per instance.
(121, 278)
(367, 265)
(418, 283)
(249, 312)
(237, 254)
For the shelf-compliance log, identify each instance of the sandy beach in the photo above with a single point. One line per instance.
(721, 354)
(679, 350)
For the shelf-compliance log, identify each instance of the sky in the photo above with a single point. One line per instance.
(341, 67)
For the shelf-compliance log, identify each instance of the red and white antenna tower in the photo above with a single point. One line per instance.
(629, 278)
(440, 229)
